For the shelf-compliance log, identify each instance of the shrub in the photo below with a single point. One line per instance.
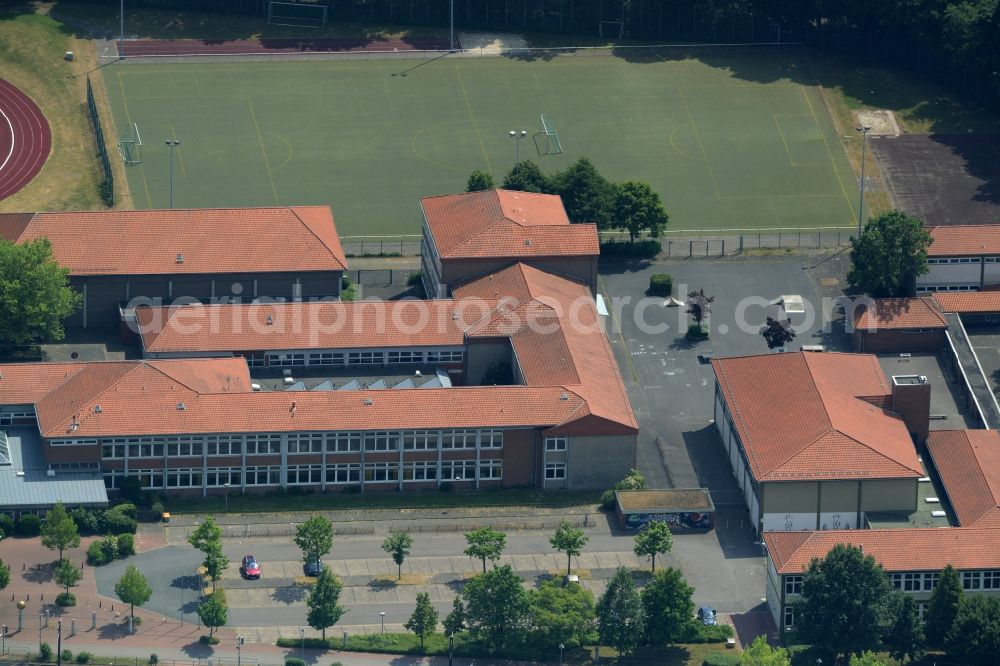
(120, 519)
(608, 500)
(294, 661)
(644, 249)
(6, 525)
(154, 658)
(697, 332)
(28, 525)
(126, 545)
(208, 640)
(65, 599)
(88, 521)
(44, 652)
(157, 507)
(661, 284)
(95, 554)
(716, 633)
(67, 655)
(721, 659)
(82, 657)
(109, 546)
(413, 279)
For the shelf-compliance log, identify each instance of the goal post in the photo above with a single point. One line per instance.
(297, 14)
(553, 145)
(130, 146)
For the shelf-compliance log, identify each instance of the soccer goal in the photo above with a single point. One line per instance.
(611, 29)
(130, 146)
(301, 14)
(551, 143)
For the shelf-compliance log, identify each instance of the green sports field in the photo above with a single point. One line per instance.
(723, 151)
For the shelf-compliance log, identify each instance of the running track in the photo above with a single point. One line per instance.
(25, 139)
(190, 47)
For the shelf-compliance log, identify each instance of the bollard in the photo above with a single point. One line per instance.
(72, 628)
(131, 629)
(93, 620)
(345, 639)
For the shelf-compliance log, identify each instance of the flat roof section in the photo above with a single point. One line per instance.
(26, 482)
(670, 500)
(948, 407)
(923, 514)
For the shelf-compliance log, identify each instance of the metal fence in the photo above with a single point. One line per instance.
(403, 245)
(108, 185)
(719, 243)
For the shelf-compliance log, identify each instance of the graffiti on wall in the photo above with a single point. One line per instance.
(687, 520)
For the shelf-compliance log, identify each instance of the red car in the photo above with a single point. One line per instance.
(250, 567)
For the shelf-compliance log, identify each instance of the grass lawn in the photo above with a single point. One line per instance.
(31, 57)
(333, 501)
(729, 143)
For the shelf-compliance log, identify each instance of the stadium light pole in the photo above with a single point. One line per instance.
(517, 136)
(172, 144)
(864, 129)
(121, 45)
(451, 38)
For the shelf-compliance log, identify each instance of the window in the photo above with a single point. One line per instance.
(991, 580)
(181, 447)
(148, 478)
(73, 442)
(224, 445)
(491, 439)
(555, 443)
(420, 440)
(75, 466)
(343, 473)
(112, 479)
(305, 443)
(381, 441)
(326, 358)
(220, 476)
(276, 360)
(255, 361)
(490, 469)
(263, 444)
(458, 439)
(555, 470)
(793, 584)
(458, 470)
(376, 472)
(263, 476)
(405, 357)
(183, 478)
(971, 580)
(299, 475)
(897, 580)
(789, 617)
(344, 442)
(445, 356)
(365, 358)
(420, 471)
(930, 580)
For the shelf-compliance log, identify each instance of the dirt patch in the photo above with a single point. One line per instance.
(491, 42)
(881, 121)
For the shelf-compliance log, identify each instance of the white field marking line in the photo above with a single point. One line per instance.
(12, 139)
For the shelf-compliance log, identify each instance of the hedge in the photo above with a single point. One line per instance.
(721, 659)
(28, 525)
(716, 633)
(661, 284)
(644, 249)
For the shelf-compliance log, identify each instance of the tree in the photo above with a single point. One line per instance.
(206, 533)
(619, 613)
(324, 601)
(454, 622)
(638, 209)
(668, 607)
(975, 636)
(777, 333)
(424, 619)
(587, 195)
(943, 606)
(699, 305)
(59, 531)
(213, 611)
(314, 538)
(4, 575)
(35, 296)
(398, 545)
(843, 607)
(485, 544)
(889, 255)
(67, 575)
(906, 636)
(496, 605)
(866, 658)
(479, 180)
(760, 653)
(563, 614)
(215, 562)
(652, 540)
(133, 588)
(570, 540)
(526, 177)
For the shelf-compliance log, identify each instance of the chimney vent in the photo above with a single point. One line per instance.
(180, 259)
(181, 406)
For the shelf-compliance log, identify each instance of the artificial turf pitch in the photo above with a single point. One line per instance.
(725, 151)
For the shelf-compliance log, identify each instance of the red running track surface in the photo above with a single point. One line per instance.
(25, 139)
(189, 47)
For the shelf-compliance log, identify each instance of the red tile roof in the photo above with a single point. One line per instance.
(219, 240)
(968, 302)
(307, 325)
(898, 313)
(902, 550)
(808, 416)
(27, 383)
(968, 462)
(964, 239)
(508, 224)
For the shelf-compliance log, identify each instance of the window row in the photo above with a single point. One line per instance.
(333, 358)
(981, 580)
(957, 260)
(915, 582)
(952, 287)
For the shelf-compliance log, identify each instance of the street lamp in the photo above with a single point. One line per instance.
(451, 647)
(561, 648)
(3, 639)
(381, 615)
(239, 644)
(40, 616)
(172, 144)
(864, 129)
(517, 136)
(302, 643)
(226, 487)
